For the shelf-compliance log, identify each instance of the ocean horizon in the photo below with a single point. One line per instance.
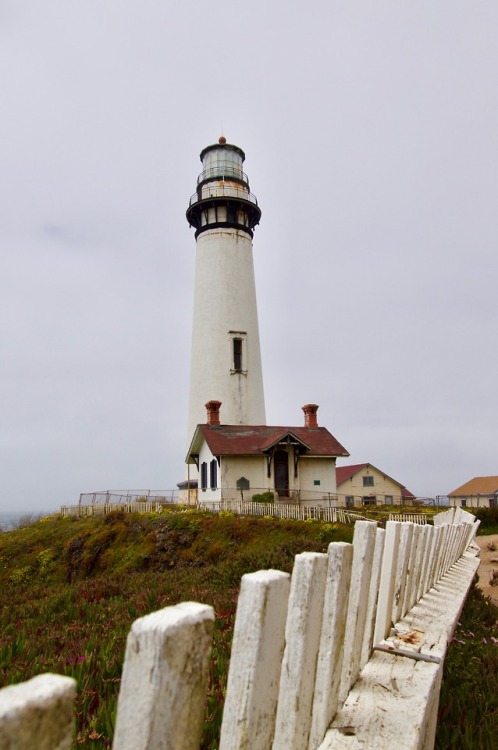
(10, 519)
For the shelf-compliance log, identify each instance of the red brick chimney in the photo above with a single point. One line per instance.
(310, 420)
(213, 413)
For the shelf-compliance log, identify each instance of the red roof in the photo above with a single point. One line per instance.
(343, 473)
(251, 440)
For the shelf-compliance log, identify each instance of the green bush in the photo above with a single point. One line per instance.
(487, 516)
(263, 497)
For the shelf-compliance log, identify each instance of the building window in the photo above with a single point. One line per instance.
(204, 475)
(368, 481)
(213, 474)
(370, 500)
(464, 502)
(388, 499)
(349, 501)
(237, 355)
(316, 482)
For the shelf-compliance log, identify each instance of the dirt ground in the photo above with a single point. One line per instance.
(489, 562)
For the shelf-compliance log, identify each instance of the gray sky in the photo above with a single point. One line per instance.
(370, 130)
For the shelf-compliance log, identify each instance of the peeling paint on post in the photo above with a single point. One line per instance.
(38, 714)
(255, 664)
(165, 676)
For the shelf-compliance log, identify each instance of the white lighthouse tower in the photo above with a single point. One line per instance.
(226, 357)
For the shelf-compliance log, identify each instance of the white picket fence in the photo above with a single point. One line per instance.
(315, 664)
(281, 510)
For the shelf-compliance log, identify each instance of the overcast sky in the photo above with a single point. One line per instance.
(371, 137)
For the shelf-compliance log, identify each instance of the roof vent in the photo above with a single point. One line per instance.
(310, 419)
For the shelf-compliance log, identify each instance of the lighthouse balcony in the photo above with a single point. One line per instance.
(222, 190)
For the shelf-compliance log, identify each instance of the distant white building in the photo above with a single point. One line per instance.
(479, 492)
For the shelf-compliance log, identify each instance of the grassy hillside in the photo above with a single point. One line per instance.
(70, 589)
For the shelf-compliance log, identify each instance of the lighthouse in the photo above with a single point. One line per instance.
(226, 356)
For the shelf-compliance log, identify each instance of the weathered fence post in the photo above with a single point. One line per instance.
(165, 674)
(363, 552)
(38, 714)
(255, 664)
(302, 639)
(329, 664)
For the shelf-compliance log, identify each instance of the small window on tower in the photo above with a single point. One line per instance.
(237, 355)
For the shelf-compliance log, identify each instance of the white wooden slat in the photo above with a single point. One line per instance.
(373, 594)
(436, 546)
(257, 650)
(330, 652)
(445, 548)
(426, 554)
(445, 532)
(405, 547)
(387, 580)
(473, 528)
(302, 639)
(164, 682)
(411, 573)
(429, 563)
(418, 567)
(38, 714)
(363, 551)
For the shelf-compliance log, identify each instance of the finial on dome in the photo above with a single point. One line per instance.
(222, 140)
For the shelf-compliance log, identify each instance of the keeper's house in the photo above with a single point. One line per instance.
(296, 464)
(479, 492)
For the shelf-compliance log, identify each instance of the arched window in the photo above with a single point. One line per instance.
(213, 474)
(203, 475)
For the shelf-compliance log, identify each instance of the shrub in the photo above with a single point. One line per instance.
(263, 497)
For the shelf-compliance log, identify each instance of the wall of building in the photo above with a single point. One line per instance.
(317, 481)
(473, 501)
(252, 468)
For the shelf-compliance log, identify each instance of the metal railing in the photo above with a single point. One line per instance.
(222, 190)
(116, 497)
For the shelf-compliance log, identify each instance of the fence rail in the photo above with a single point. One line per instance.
(315, 661)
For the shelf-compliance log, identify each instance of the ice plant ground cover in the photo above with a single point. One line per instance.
(70, 589)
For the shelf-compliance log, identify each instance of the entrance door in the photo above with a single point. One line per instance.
(281, 463)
